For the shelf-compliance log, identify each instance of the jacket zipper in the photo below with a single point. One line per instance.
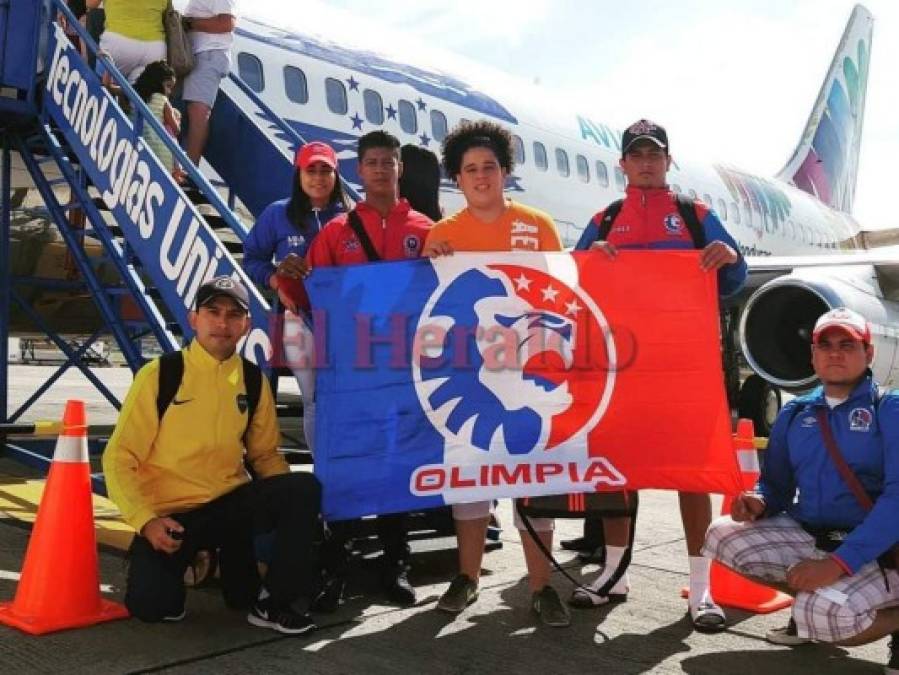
(645, 218)
(318, 220)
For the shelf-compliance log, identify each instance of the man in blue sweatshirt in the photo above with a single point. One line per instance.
(826, 547)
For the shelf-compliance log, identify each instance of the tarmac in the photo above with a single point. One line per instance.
(651, 632)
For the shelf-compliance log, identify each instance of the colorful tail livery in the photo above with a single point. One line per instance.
(825, 164)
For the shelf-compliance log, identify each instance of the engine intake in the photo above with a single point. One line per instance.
(776, 330)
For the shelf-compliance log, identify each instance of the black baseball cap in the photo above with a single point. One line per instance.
(226, 286)
(644, 130)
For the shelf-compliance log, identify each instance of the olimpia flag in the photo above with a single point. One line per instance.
(478, 376)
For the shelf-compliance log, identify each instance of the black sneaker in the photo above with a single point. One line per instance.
(330, 596)
(595, 557)
(398, 588)
(581, 544)
(787, 636)
(175, 617)
(284, 620)
(892, 666)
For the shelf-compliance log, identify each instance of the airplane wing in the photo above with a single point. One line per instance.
(885, 262)
(885, 257)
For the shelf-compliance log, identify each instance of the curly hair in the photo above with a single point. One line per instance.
(152, 78)
(479, 134)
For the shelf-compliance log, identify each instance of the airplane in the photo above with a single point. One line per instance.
(805, 251)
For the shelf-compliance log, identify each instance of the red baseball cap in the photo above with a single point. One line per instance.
(315, 152)
(846, 320)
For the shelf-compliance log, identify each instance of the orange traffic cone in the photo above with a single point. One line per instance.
(729, 588)
(59, 587)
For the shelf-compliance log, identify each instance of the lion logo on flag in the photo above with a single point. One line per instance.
(513, 360)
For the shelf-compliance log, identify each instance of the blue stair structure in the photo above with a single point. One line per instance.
(68, 131)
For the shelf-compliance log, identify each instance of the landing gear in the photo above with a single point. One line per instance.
(760, 402)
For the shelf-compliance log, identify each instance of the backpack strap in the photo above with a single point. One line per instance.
(687, 209)
(608, 219)
(171, 370)
(623, 564)
(355, 223)
(685, 206)
(252, 380)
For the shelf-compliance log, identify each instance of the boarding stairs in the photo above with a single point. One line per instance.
(161, 242)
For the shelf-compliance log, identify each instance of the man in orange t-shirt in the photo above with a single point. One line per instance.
(479, 156)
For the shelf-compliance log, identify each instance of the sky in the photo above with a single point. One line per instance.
(733, 81)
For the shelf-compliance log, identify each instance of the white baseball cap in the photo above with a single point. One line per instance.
(846, 319)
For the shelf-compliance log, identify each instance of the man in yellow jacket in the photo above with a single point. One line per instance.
(181, 479)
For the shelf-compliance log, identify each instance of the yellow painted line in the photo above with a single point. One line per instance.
(19, 500)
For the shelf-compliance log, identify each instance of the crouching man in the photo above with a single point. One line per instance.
(175, 467)
(838, 448)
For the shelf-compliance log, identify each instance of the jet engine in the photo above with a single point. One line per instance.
(777, 322)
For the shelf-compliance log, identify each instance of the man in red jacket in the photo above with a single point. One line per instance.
(385, 228)
(395, 230)
(650, 218)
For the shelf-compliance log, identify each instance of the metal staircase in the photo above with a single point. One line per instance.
(162, 242)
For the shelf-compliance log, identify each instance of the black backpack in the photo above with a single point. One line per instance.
(685, 206)
(171, 371)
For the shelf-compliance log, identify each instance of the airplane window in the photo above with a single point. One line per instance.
(707, 198)
(374, 106)
(619, 178)
(583, 168)
(736, 211)
(562, 163)
(722, 209)
(540, 156)
(438, 125)
(408, 117)
(676, 188)
(517, 150)
(295, 85)
(335, 93)
(602, 173)
(249, 68)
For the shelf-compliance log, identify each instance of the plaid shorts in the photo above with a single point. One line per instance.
(767, 548)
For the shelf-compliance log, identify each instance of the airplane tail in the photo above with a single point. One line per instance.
(825, 163)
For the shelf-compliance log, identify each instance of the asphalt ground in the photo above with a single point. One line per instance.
(651, 632)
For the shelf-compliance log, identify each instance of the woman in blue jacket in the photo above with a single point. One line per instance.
(275, 253)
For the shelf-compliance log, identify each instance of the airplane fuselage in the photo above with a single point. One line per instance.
(566, 163)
